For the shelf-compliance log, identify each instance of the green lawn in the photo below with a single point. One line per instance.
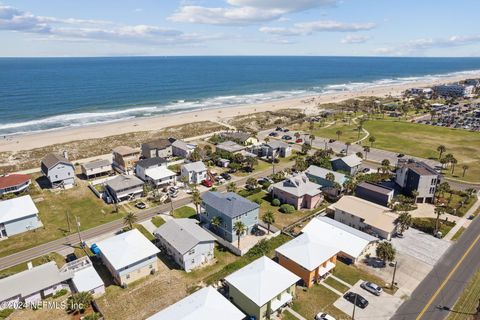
(59, 259)
(316, 299)
(423, 140)
(427, 225)
(158, 221)
(454, 201)
(458, 233)
(336, 285)
(54, 207)
(468, 301)
(144, 231)
(352, 274)
(184, 212)
(288, 316)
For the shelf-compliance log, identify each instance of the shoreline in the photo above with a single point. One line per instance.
(308, 103)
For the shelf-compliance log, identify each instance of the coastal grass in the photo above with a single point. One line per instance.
(458, 234)
(467, 304)
(336, 284)
(53, 256)
(286, 315)
(316, 299)
(184, 212)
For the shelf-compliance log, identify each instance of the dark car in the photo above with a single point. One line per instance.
(286, 130)
(273, 134)
(226, 176)
(400, 155)
(278, 129)
(356, 299)
(140, 205)
(331, 141)
(287, 137)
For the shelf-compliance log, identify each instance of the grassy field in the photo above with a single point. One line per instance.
(423, 140)
(427, 225)
(468, 301)
(184, 212)
(336, 285)
(158, 221)
(454, 201)
(144, 231)
(316, 299)
(59, 259)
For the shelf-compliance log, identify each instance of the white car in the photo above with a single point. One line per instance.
(372, 288)
(323, 316)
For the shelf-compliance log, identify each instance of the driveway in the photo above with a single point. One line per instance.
(381, 307)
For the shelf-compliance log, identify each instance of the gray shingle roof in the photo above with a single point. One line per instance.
(183, 234)
(198, 166)
(52, 159)
(161, 143)
(230, 203)
(277, 144)
(240, 136)
(352, 160)
(375, 187)
(322, 173)
(122, 182)
(230, 146)
(150, 162)
(298, 185)
(96, 164)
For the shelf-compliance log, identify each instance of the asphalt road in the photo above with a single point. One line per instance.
(73, 239)
(445, 283)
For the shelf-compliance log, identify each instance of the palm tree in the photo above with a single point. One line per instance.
(239, 228)
(366, 149)
(385, 165)
(306, 148)
(464, 168)
(338, 133)
(197, 201)
(453, 161)
(216, 222)
(268, 218)
(441, 149)
(347, 144)
(372, 140)
(359, 129)
(386, 251)
(232, 187)
(251, 183)
(404, 221)
(130, 219)
(438, 211)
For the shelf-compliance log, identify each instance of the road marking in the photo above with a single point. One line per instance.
(448, 278)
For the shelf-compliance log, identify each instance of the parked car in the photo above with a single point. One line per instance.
(287, 137)
(371, 287)
(323, 316)
(174, 189)
(273, 134)
(232, 170)
(226, 176)
(356, 299)
(299, 140)
(331, 141)
(207, 183)
(376, 263)
(140, 205)
(220, 179)
(400, 155)
(278, 129)
(286, 130)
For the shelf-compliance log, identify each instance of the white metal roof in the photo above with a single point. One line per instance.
(333, 233)
(262, 280)
(87, 279)
(307, 251)
(198, 166)
(127, 248)
(17, 208)
(205, 304)
(160, 172)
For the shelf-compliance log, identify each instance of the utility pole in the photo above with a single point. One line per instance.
(394, 272)
(68, 221)
(78, 231)
(354, 306)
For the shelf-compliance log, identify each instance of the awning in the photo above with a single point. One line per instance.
(323, 270)
(285, 298)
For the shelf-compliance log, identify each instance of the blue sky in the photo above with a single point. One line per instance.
(240, 27)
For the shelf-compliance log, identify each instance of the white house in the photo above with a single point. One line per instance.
(186, 242)
(96, 168)
(194, 172)
(124, 187)
(18, 215)
(148, 163)
(84, 277)
(160, 176)
(58, 170)
(205, 304)
(129, 256)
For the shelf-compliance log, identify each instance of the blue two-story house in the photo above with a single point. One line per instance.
(230, 208)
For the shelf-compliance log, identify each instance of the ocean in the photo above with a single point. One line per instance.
(39, 94)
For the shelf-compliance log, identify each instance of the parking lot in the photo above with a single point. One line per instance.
(381, 307)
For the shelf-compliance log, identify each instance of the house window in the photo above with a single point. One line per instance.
(128, 276)
(192, 251)
(193, 261)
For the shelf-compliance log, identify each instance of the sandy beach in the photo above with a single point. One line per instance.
(308, 104)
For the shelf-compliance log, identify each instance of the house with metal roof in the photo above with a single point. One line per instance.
(18, 215)
(193, 172)
(129, 256)
(272, 149)
(349, 164)
(229, 208)
(204, 304)
(181, 148)
(189, 245)
(124, 187)
(157, 148)
(149, 163)
(350, 242)
(125, 158)
(297, 191)
(84, 277)
(319, 176)
(261, 288)
(96, 168)
(307, 257)
(375, 193)
(229, 146)
(14, 183)
(58, 170)
(365, 216)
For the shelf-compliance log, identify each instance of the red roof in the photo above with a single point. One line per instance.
(12, 180)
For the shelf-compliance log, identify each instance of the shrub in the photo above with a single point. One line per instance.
(60, 293)
(287, 208)
(258, 200)
(5, 313)
(276, 202)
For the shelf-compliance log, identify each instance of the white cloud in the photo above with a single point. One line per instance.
(306, 28)
(284, 5)
(355, 39)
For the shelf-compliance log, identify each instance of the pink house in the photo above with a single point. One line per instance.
(297, 191)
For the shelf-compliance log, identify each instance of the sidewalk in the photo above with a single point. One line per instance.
(460, 223)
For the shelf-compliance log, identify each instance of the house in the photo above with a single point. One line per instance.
(223, 163)
(30, 287)
(157, 148)
(204, 304)
(243, 138)
(365, 216)
(155, 171)
(125, 158)
(319, 176)
(375, 193)
(129, 256)
(229, 146)
(452, 90)
(182, 149)
(349, 164)
(413, 176)
(261, 288)
(274, 149)
(84, 277)
(186, 242)
(297, 191)
(230, 208)
(58, 170)
(96, 168)
(308, 258)
(148, 163)
(18, 215)
(14, 183)
(194, 172)
(351, 243)
(124, 187)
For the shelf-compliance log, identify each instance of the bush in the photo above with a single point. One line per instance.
(287, 208)
(5, 313)
(276, 202)
(60, 293)
(258, 200)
